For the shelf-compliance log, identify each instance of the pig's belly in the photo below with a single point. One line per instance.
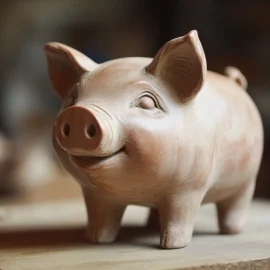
(223, 191)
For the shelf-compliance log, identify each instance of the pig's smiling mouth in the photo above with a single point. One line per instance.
(94, 161)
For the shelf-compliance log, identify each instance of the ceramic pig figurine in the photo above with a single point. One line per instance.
(163, 133)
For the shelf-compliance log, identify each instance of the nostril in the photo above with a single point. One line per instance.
(90, 131)
(66, 130)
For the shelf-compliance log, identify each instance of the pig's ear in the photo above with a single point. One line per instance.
(66, 66)
(181, 64)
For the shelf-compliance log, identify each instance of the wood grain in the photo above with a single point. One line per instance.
(50, 235)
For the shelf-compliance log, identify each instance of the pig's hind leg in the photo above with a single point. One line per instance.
(104, 218)
(153, 219)
(232, 212)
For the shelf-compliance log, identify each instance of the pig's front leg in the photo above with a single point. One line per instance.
(177, 217)
(104, 218)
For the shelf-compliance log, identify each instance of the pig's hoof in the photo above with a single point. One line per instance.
(231, 226)
(174, 241)
(231, 229)
(99, 238)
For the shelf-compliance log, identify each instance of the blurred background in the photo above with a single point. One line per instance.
(232, 33)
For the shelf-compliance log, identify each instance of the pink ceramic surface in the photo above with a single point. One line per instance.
(163, 132)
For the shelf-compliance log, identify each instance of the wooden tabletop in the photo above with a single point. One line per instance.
(42, 231)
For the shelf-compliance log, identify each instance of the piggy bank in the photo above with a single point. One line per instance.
(163, 133)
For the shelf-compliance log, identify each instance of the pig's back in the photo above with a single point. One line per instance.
(237, 137)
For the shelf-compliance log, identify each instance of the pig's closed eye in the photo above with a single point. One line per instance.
(147, 103)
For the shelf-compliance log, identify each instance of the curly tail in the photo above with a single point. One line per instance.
(236, 75)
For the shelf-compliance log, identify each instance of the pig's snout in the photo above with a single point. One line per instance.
(78, 130)
(83, 131)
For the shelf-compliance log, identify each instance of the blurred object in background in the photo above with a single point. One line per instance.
(28, 162)
(233, 33)
(6, 163)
